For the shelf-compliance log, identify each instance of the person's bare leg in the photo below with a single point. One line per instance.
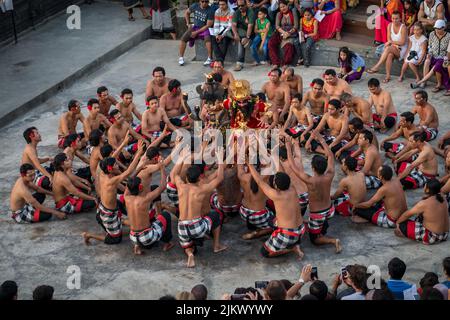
(208, 46)
(438, 80)
(182, 48)
(144, 13)
(296, 249)
(191, 260)
(383, 57)
(398, 233)
(322, 240)
(389, 60)
(167, 246)
(256, 234)
(88, 236)
(427, 76)
(413, 67)
(216, 241)
(402, 72)
(173, 35)
(137, 250)
(358, 219)
(338, 36)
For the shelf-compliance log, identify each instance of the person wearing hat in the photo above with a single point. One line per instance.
(438, 46)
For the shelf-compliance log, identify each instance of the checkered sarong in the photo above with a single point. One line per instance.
(222, 209)
(283, 238)
(172, 193)
(297, 130)
(395, 148)
(317, 219)
(372, 182)
(148, 236)
(25, 215)
(416, 231)
(417, 178)
(70, 205)
(431, 133)
(111, 220)
(342, 205)
(330, 139)
(259, 219)
(38, 178)
(188, 230)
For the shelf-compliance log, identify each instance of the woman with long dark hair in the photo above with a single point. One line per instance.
(351, 65)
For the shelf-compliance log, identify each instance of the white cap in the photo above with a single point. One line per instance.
(439, 24)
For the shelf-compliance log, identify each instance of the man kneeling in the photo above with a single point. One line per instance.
(143, 233)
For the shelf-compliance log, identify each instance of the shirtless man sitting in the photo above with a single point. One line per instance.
(43, 178)
(105, 100)
(144, 233)
(300, 120)
(415, 175)
(192, 224)
(127, 108)
(319, 185)
(317, 100)
(72, 146)
(406, 128)
(355, 129)
(253, 209)
(174, 105)
(95, 119)
(334, 86)
(119, 131)
(351, 189)
(385, 116)
(26, 207)
(227, 76)
(371, 161)
(429, 119)
(109, 217)
(68, 122)
(227, 199)
(358, 108)
(67, 197)
(279, 96)
(386, 205)
(158, 85)
(152, 118)
(288, 224)
(431, 224)
(337, 132)
(294, 81)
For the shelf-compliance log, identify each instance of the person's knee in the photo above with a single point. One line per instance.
(264, 252)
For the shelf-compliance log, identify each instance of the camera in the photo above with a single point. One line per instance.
(344, 273)
(412, 55)
(238, 296)
(261, 284)
(314, 274)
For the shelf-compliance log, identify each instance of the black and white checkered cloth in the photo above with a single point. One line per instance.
(148, 236)
(111, 220)
(258, 219)
(283, 238)
(188, 230)
(372, 182)
(24, 215)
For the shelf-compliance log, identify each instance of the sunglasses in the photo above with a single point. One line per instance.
(241, 6)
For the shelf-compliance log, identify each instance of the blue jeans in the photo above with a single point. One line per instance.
(255, 46)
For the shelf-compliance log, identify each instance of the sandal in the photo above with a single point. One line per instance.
(436, 89)
(447, 93)
(386, 80)
(131, 19)
(370, 70)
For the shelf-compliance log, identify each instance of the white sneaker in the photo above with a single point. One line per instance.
(207, 62)
(181, 61)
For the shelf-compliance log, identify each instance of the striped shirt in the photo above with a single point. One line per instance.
(222, 22)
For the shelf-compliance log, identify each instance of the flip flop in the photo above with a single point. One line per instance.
(447, 93)
(371, 71)
(386, 80)
(435, 89)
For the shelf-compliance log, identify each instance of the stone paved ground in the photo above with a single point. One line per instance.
(41, 253)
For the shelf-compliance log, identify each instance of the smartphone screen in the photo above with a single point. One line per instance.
(261, 284)
(314, 274)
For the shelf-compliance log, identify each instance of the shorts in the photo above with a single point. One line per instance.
(160, 229)
(318, 223)
(192, 232)
(342, 205)
(111, 222)
(281, 239)
(303, 200)
(42, 181)
(389, 121)
(28, 214)
(296, 131)
(414, 229)
(372, 182)
(256, 219)
(178, 120)
(187, 36)
(377, 215)
(231, 211)
(70, 204)
(416, 178)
